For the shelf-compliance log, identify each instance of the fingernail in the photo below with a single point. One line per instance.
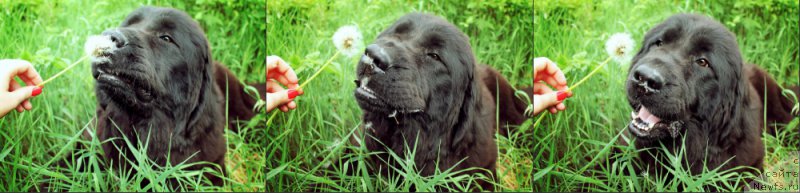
(292, 93)
(36, 91)
(561, 95)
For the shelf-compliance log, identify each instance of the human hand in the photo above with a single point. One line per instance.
(280, 73)
(12, 94)
(546, 72)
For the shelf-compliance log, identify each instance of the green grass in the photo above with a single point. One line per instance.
(51, 34)
(573, 34)
(304, 141)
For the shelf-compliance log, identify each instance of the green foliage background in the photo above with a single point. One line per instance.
(51, 35)
(308, 138)
(572, 33)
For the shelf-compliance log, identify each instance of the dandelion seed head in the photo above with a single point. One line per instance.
(348, 40)
(96, 45)
(619, 46)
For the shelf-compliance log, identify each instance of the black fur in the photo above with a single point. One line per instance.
(718, 107)
(166, 93)
(419, 82)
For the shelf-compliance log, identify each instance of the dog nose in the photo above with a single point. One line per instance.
(648, 79)
(117, 37)
(379, 57)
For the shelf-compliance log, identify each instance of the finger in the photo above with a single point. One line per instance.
(541, 102)
(20, 95)
(270, 85)
(292, 105)
(546, 67)
(24, 70)
(540, 64)
(280, 70)
(555, 73)
(553, 82)
(563, 88)
(296, 87)
(276, 99)
(541, 88)
(561, 106)
(559, 76)
(13, 85)
(20, 109)
(283, 80)
(287, 73)
(271, 62)
(27, 104)
(284, 109)
(273, 87)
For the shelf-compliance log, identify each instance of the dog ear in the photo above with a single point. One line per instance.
(197, 112)
(729, 106)
(202, 82)
(464, 120)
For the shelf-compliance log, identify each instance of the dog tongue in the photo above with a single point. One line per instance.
(646, 116)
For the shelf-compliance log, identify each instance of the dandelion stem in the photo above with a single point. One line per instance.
(320, 70)
(590, 75)
(541, 117)
(63, 71)
(539, 120)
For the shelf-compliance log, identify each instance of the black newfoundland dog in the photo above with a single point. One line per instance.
(689, 81)
(158, 87)
(419, 83)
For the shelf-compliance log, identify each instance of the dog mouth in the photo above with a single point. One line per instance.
(370, 100)
(646, 125)
(123, 84)
(365, 91)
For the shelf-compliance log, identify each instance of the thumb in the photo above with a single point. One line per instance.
(277, 99)
(21, 94)
(541, 102)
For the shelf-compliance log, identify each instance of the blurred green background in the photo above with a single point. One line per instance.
(51, 35)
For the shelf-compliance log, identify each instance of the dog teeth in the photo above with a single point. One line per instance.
(641, 124)
(405, 111)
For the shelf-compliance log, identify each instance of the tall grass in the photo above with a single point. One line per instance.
(572, 33)
(51, 34)
(304, 142)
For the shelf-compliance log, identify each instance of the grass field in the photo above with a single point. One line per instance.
(573, 33)
(51, 35)
(303, 142)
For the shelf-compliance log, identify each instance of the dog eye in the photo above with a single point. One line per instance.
(166, 38)
(434, 56)
(702, 62)
(658, 43)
